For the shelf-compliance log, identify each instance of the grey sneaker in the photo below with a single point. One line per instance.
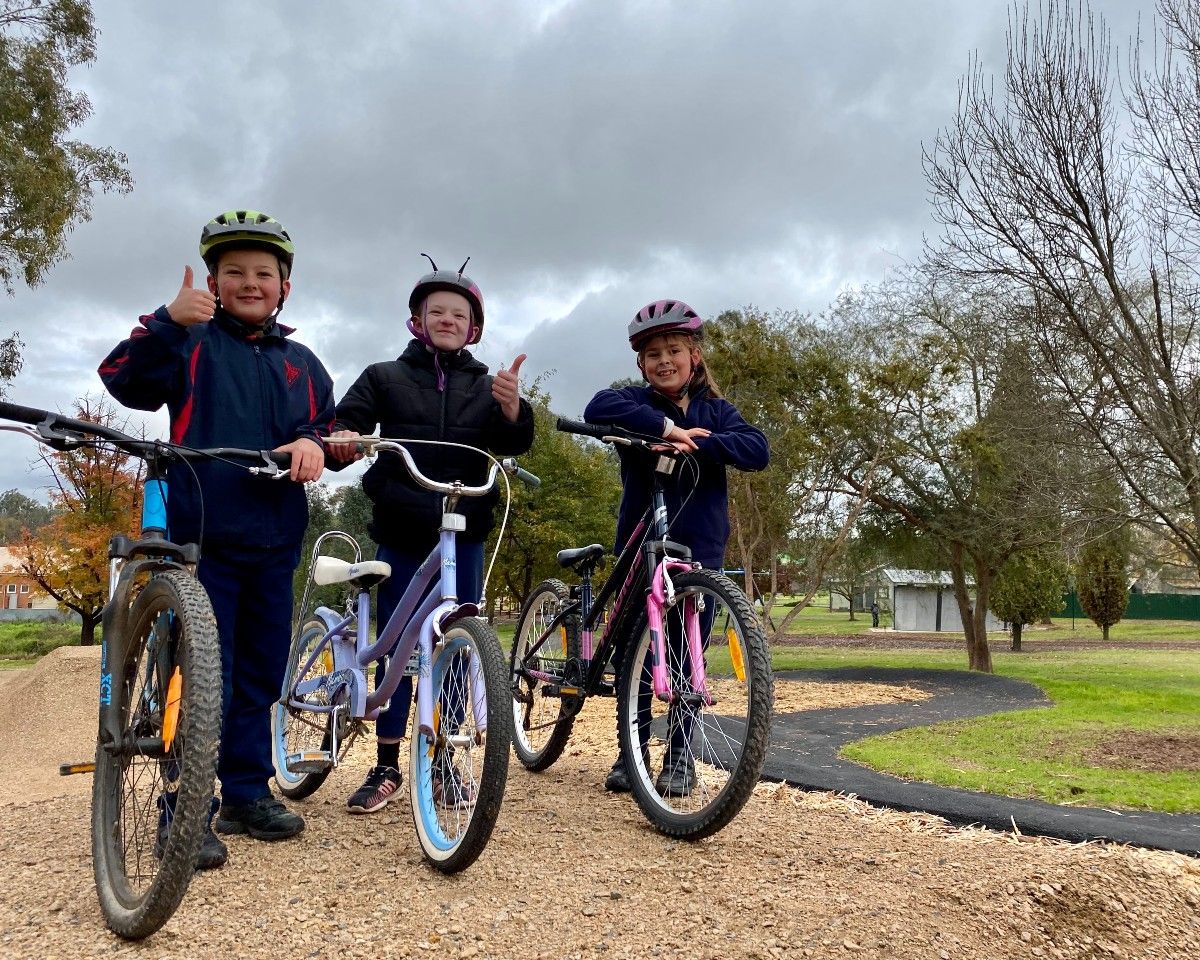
(379, 787)
(264, 819)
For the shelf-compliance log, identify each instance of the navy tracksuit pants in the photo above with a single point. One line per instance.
(251, 594)
(392, 724)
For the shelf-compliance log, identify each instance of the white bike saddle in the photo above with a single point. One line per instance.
(364, 574)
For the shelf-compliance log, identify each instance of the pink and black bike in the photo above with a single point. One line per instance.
(680, 648)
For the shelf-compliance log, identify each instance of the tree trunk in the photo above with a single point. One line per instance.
(1105, 629)
(1016, 635)
(87, 629)
(974, 616)
(850, 592)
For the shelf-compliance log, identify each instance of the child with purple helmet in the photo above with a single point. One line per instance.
(680, 404)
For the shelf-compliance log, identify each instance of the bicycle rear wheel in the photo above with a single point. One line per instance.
(301, 739)
(693, 764)
(457, 778)
(541, 724)
(152, 791)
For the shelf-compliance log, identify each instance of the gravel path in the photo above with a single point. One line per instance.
(574, 872)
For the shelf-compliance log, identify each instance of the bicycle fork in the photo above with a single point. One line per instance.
(660, 599)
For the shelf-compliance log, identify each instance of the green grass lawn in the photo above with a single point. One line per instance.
(24, 641)
(1101, 697)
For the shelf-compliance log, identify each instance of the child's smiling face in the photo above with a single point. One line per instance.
(249, 285)
(446, 319)
(668, 361)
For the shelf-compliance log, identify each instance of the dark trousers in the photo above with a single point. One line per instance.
(251, 594)
(392, 724)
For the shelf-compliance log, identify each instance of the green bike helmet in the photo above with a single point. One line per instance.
(247, 229)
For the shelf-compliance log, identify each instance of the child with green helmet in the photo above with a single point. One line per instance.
(435, 390)
(228, 373)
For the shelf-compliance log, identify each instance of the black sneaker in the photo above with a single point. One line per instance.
(213, 852)
(264, 819)
(381, 784)
(678, 777)
(617, 780)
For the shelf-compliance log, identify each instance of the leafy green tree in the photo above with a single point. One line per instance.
(46, 178)
(1029, 587)
(345, 508)
(939, 421)
(575, 505)
(1101, 579)
(19, 512)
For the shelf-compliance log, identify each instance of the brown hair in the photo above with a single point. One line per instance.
(700, 376)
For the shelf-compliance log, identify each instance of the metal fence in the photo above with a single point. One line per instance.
(1145, 606)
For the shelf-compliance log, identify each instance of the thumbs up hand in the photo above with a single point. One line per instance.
(506, 390)
(190, 304)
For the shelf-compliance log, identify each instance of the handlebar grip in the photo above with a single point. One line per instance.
(586, 429)
(529, 479)
(30, 415)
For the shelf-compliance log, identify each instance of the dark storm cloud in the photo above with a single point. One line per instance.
(590, 156)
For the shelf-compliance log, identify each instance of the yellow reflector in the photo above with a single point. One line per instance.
(437, 721)
(562, 636)
(326, 660)
(735, 654)
(171, 714)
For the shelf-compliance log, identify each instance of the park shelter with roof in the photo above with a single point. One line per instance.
(921, 600)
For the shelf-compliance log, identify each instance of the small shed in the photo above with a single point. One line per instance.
(923, 601)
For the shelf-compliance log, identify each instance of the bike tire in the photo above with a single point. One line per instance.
(465, 757)
(719, 748)
(138, 888)
(297, 731)
(539, 736)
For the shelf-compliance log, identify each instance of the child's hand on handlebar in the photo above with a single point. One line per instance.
(683, 440)
(308, 459)
(344, 452)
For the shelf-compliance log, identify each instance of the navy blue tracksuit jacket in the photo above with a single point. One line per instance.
(230, 385)
(698, 506)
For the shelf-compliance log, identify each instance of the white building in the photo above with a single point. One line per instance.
(922, 600)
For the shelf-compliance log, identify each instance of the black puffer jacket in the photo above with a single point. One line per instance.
(401, 398)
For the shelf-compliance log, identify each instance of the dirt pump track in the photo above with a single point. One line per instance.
(575, 872)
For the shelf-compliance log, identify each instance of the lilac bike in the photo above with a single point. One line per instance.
(458, 757)
(692, 673)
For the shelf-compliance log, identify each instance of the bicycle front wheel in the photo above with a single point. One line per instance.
(152, 791)
(694, 762)
(541, 724)
(457, 777)
(302, 739)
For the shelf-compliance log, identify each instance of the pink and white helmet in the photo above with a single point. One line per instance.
(663, 316)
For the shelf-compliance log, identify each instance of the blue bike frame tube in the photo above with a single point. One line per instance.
(409, 640)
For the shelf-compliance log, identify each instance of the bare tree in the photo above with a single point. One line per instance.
(1082, 207)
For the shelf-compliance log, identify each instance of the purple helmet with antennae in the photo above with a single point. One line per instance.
(663, 316)
(455, 282)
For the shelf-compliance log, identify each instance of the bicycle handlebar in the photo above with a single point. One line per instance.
(610, 433)
(55, 430)
(371, 445)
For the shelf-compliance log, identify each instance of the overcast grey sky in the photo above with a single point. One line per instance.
(589, 156)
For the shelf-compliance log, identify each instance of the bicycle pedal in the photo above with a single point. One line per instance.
(68, 769)
(309, 761)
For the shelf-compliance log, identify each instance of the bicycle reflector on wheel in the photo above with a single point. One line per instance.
(735, 655)
(171, 714)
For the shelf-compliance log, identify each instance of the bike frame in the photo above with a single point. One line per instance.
(661, 556)
(422, 614)
(417, 624)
